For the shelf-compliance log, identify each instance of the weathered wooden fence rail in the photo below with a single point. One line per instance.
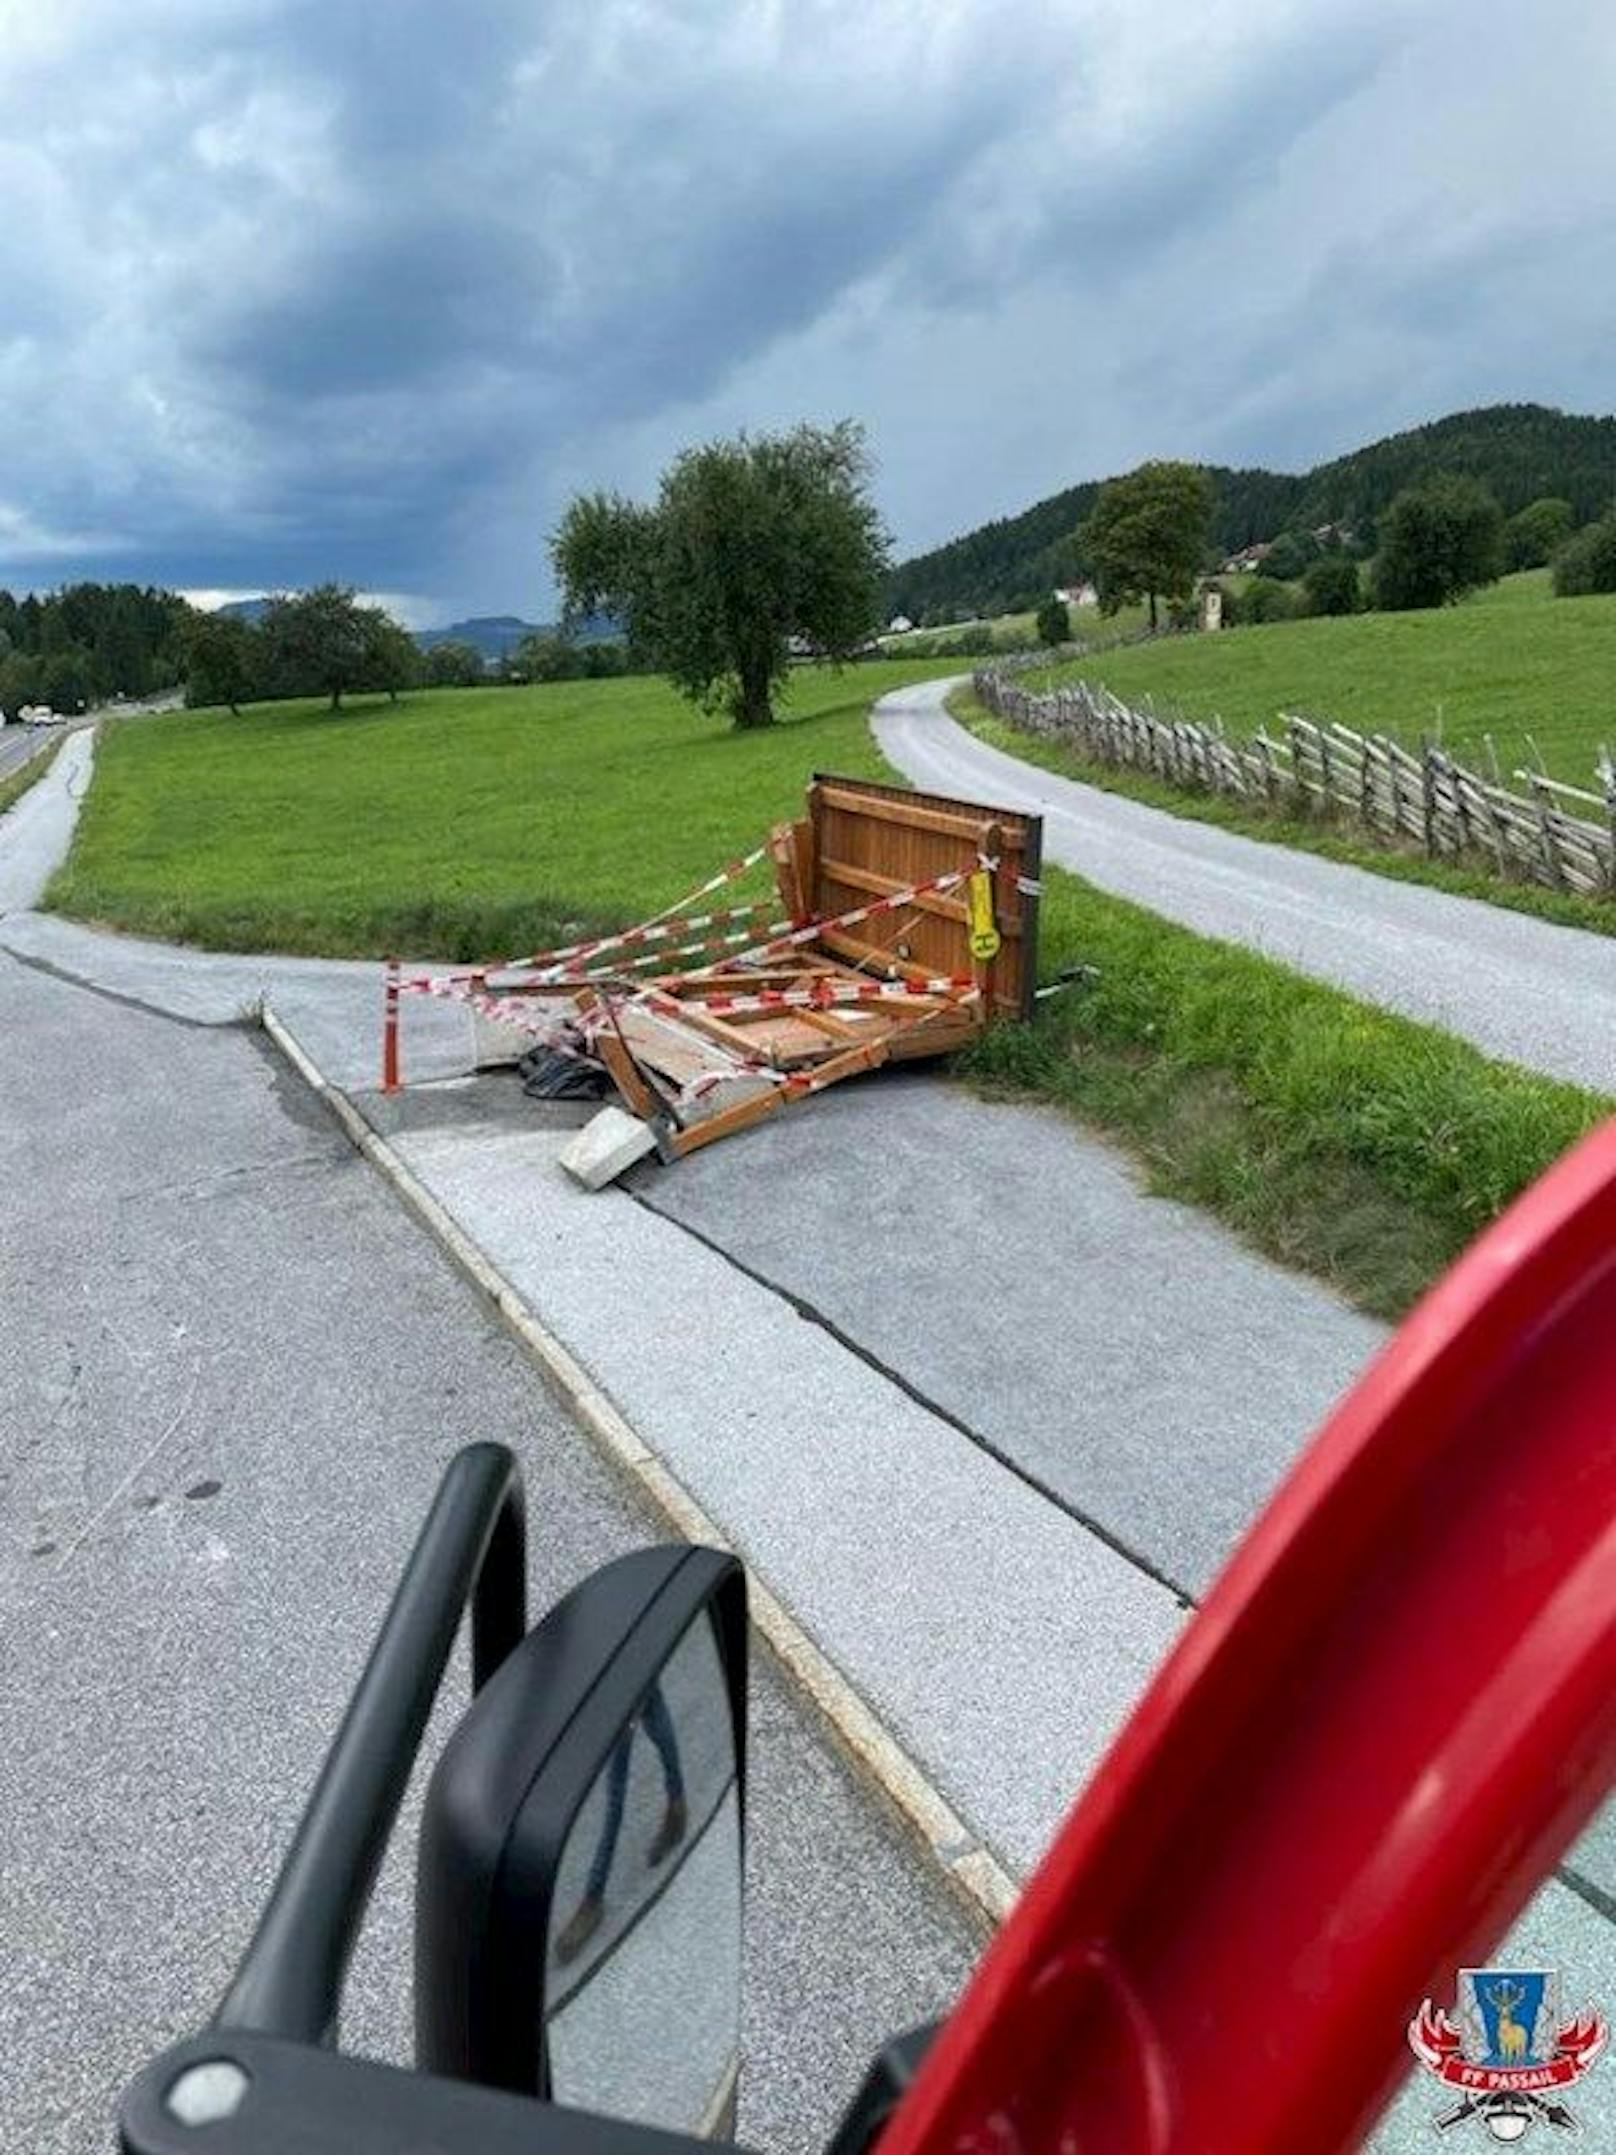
(1429, 800)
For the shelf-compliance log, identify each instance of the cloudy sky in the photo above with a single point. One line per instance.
(292, 289)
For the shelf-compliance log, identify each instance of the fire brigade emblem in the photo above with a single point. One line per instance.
(1506, 2055)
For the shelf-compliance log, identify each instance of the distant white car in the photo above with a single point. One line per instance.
(39, 714)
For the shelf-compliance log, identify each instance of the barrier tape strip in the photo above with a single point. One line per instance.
(657, 938)
(551, 1030)
(894, 902)
(641, 933)
(780, 937)
(954, 987)
(502, 1010)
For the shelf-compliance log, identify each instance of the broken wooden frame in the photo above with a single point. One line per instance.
(910, 925)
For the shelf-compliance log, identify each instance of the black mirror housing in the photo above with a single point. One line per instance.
(514, 1778)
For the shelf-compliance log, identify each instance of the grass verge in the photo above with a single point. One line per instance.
(13, 788)
(1335, 1137)
(1513, 671)
(1337, 841)
(454, 824)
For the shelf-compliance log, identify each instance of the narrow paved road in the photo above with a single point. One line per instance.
(231, 1370)
(17, 745)
(1516, 987)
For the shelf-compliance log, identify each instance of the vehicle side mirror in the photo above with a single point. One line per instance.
(578, 1887)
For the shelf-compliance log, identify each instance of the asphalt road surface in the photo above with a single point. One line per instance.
(231, 1371)
(1517, 987)
(18, 743)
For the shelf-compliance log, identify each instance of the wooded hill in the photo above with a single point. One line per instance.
(1520, 451)
(88, 641)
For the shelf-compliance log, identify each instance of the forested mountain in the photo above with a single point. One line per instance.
(1520, 451)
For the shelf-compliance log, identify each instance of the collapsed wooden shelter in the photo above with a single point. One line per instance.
(907, 923)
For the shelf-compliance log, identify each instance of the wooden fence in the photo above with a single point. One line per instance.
(1428, 800)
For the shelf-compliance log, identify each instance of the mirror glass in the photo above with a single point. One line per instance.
(643, 1978)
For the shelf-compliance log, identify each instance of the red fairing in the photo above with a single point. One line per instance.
(1396, 1709)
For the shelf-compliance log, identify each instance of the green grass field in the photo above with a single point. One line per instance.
(456, 823)
(1536, 673)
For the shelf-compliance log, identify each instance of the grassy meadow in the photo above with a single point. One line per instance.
(1533, 674)
(455, 823)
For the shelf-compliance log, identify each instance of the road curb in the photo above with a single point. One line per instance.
(971, 1870)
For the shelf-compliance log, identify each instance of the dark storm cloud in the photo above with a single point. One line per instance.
(293, 289)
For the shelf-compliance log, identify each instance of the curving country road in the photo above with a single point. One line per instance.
(1516, 987)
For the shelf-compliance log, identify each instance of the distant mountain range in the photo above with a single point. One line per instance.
(1521, 451)
(495, 636)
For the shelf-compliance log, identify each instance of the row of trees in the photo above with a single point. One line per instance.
(1148, 540)
(324, 643)
(89, 642)
(316, 643)
(1587, 562)
(754, 551)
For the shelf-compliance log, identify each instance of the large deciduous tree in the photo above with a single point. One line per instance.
(223, 660)
(1587, 563)
(1437, 542)
(752, 545)
(392, 657)
(1147, 535)
(1537, 534)
(323, 643)
(453, 664)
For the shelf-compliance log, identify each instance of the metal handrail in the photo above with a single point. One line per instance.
(473, 1546)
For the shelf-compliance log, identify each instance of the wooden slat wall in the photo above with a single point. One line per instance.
(884, 839)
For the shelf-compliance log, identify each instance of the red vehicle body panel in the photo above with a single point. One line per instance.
(1396, 1709)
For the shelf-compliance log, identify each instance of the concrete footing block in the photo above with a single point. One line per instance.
(607, 1144)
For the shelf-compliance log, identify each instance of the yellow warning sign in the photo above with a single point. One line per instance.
(985, 938)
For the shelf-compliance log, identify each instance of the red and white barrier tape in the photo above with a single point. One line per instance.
(955, 988)
(779, 937)
(503, 1010)
(893, 902)
(549, 960)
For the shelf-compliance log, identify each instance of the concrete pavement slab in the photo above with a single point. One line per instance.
(335, 1003)
(1000, 1641)
(1125, 1353)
